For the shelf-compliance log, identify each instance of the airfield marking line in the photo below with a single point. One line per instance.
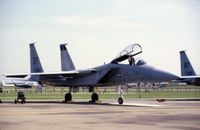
(140, 104)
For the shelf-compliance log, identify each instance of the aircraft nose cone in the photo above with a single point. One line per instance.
(163, 76)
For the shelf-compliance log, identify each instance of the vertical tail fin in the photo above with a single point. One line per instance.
(186, 66)
(66, 61)
(34, 60)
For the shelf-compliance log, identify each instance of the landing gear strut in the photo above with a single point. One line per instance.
(121, 91)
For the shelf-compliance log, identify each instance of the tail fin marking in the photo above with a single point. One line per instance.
(34, 60)
(186, 66)
(66, 61)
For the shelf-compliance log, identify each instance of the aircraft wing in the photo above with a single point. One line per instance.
(15, 75)
(191, 80)
(63, 74)
(103, 75)
(190, 77)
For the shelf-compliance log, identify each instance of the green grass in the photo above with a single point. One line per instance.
(10, 93)
(58, 95)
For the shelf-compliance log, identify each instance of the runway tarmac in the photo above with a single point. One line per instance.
(108, 115)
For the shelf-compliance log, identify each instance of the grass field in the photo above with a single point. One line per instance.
(58, 93)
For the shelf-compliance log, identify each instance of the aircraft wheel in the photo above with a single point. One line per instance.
(94, 97)
(15, 101)
(120, 100)
(23, 101)
(68, 97)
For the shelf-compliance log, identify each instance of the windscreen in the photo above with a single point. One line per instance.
(129, 51)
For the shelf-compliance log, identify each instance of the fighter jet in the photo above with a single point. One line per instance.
(188, 74)
(25, 84)
(113, 73)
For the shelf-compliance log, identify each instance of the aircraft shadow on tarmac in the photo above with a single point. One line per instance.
(87, 103)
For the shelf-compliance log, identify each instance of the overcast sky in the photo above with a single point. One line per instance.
(97, 30)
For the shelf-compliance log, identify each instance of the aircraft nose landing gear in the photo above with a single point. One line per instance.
(120, 100)
(20, 96)
(121, 92)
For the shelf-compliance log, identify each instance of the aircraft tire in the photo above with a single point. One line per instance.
(15, 101)
(24, 101)
(68, 97)
(95, 97)
(120, 100)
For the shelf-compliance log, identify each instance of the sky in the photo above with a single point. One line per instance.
(97, 30)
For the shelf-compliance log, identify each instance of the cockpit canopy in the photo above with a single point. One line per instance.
(129, 52)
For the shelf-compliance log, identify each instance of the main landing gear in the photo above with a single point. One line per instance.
(68, 97)
(94, 96)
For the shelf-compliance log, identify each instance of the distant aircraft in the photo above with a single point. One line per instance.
(19, 83)
(113, 73)
(188, 74)
(24, 84)
(8, 83)
(35, 67)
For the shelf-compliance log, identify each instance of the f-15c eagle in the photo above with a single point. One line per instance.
(113, 73)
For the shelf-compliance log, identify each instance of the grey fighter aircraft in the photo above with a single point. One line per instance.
(113, 73)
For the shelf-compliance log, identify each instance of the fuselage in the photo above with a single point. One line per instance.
(114, 74)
